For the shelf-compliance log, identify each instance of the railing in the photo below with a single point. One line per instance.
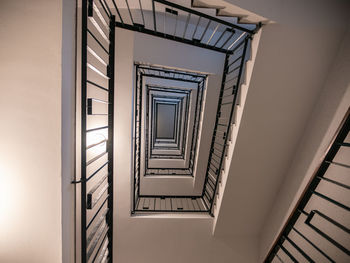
(229, 92)
(318, 228)
(97, 102)
(178, 23)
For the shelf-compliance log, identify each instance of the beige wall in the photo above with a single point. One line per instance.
(30, 133)
(294, 58)
(325, 119)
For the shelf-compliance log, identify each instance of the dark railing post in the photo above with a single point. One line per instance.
(111, 134)
(83, 127)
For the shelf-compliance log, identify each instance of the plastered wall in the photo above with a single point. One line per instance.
(30, 133)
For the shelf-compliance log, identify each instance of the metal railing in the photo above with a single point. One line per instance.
(97, 102)
(171, 21)
(318, 228)
(229, 92)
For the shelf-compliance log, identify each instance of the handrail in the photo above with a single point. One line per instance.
(309, 189)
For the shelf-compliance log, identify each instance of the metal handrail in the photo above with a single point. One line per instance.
(299, 209)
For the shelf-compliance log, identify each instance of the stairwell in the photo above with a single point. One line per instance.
(244, 89)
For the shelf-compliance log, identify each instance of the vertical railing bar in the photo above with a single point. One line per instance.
(205, 31)
(92, 52)
(97, 212)
(175, 25)
(302, 252)
(236, 40)
(98, 224)
(339, 164)
(328, 238)
(127, 4)
(228, 39)
(313, 245)
(279, 258)
(137, 202)
(154, 16)
(104, 8)
(331, 200)
(195, 30)
(100, 246)
(334, 182)
(288, 253)
(187, 21)
(107, 7)
(116, 8)
(143, 17)
(97, 41)
(216, 28)
(220, 37)
(100, 16)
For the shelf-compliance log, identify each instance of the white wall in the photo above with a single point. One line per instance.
(325, 119)
(293, 60)
(171, 239)
(30, 134)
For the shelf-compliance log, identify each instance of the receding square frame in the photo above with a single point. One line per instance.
(166, 119)
(182, 98)
(171, 151)
(145, 73)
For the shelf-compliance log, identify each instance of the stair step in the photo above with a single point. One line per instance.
(223, 12)
(201, 4)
